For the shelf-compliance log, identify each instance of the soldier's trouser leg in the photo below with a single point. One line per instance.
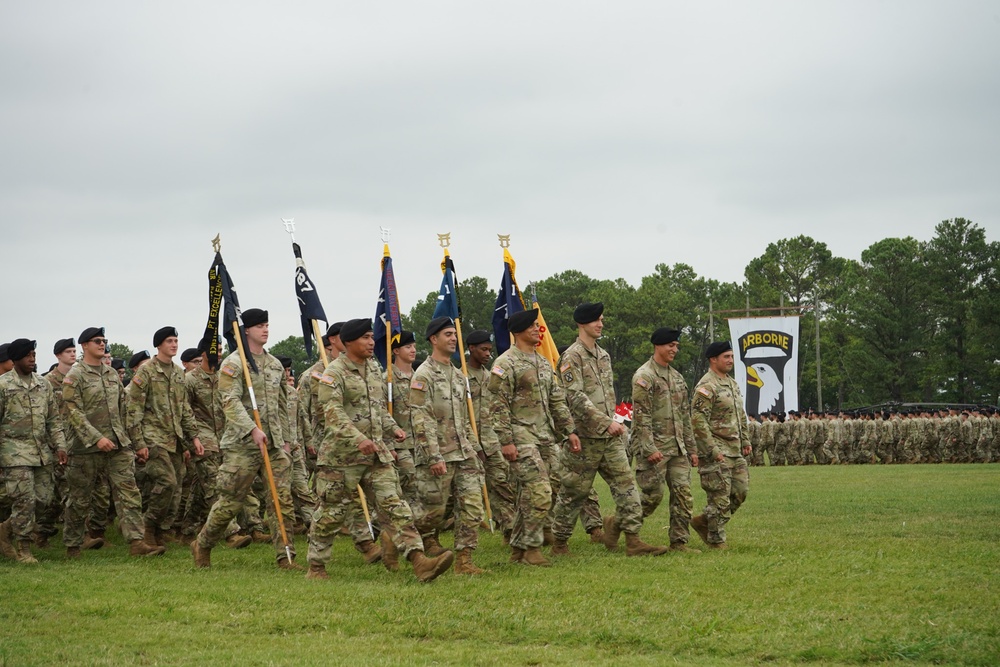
(615, 470)
(48, 516)
(206, 469)
(302, 495)
(406, 471)
(462, 481)
(577, 473)
(81, 477)
(726, 485)
(681, 501)
(27, 488)
(433, 494)
(533, 497)
(500, 490)
(590, 511)
(163, 469)
(100, 502)
(188, 488)
(650, 478)
(120, 467)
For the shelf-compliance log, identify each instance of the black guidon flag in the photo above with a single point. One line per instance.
(222, 300)
(310, 307)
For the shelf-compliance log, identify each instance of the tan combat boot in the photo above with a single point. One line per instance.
(548, 539)
(636, 547)
(611, 533)
(597, 536)
(24, 553)
(237, 541)
(7, 547)
(560, 548)
(700, 526)
(202, 556)
(260, 537)
(317, 571)
(92, 542)
(464, 564)
(152, 537)
(432, 547)
(680, 546)
(390, 555)
(533, 556)
(371, 551)
(427, 569)
(140, 548)
(285, 564)
(718, 546)
(516, 555)
(41, 541)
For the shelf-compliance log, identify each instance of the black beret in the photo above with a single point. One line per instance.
(190, 354)
(117, 364)
(405, 338)
(355, 329)
(437, 325)
(520, 321)
(717, 348)
(137, 359)
(91, 332)
(63, 345)
(478, 337)
(162, 334)
(3, 352)
(253, 317)
(586, 313)
(334, 329)
(286, 362)
(664, 336)
(19, 349)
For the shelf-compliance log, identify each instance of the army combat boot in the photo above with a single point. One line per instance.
(24, 553)
(151, 536)
(611, 532)
(464, 564)
(285, 564)
(560, 548)
(202, 556)
(427, 569)
(6, 546)
(390, 555)
(681, 546)
(516, 555)
(432, 547)
(700, 526)
(93, 541)
(237, 541)
(369, 550)
(636, 547)
(140, 548)
(533, 556)
(597, 535)
(317, 571)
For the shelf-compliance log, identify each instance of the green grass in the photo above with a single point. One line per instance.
(828, 565)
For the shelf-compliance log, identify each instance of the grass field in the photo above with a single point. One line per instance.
(828, 565)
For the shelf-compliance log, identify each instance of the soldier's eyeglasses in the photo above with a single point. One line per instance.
(99, 341)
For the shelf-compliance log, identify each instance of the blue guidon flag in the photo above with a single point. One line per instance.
(310, 307)
(509, 301)
(387, 320)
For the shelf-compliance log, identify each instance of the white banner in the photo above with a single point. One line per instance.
(767, 362)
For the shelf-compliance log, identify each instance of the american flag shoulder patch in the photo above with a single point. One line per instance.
(704, 392)
(498, 370)
(642, 382)
(418, 385)
(565, 367)
(229, 370)
(137, 380)
(326, 379)
(67, 380)
(317, 375)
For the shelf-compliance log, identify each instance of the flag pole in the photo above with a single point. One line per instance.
(445, 241)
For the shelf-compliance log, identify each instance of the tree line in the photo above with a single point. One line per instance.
(911, 321)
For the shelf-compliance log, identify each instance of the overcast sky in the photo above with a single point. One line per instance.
(603, 137)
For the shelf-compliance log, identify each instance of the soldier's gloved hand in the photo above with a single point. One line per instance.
(655, 457)
(616, 428)
(366, 447)
(574, 442)
(439, 469)
(509, 452)
(105, 445)
(62, 457)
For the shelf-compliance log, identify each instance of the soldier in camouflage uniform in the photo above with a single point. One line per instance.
(781, 437)
(446, 460)
(404, 352)
(95, 404)
(49, 517)
(30, 435)
(719, 424)
(354, 452)
(303, 497)
(159, 419)
(528, 409)
(661, 436)
(244, 443)
(480, 350)
(585, 369)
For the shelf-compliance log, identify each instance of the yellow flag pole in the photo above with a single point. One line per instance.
(263, 450)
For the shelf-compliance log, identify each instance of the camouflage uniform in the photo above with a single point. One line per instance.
(527, 404)
(802, 450)
(354, 399)
(719, 425)
(661, 422)
(95, 402)
(591, 399)
(298, 425)
(159, 418)
(497, 469)
(31, 431)
(443, 433)
(401, 414)
(781, 438)
(49, 517)
(242, 460)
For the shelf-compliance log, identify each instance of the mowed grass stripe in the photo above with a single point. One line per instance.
(828, 565)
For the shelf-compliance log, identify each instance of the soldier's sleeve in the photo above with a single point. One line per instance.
(562, 417)
(286, 429)
(82, 428)
(584, 411)
(231, 385)
(331, 397)
(136, 395)
(502, 395)
(425, 435)
(53, 422)
(685, 417)
(641, 436)
(389, 423)
(305, 424)
(306, 407)
(188, 423)
(701, 422)
(741, 416)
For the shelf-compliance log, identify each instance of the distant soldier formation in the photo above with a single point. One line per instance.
(202, 456)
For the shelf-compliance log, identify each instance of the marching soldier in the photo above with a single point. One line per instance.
(662, 438)
(49, 518)
(404, 351)
(720, 431)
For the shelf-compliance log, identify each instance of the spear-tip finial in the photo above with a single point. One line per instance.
(504, 240)
(217, 243)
